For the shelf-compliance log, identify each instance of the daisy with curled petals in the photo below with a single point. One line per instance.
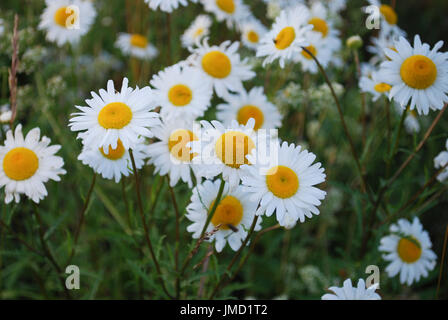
(440, 161)
(166, 5)
(318, 49)
(136, 45)
(408, 249)
(233, 216)
(171, 154)
(231, 11)
(245, 105)
(286, 186)
(348, 292)
(182, 92)
(251, 33)
(417, 74)
(112, 116)
(27, 163)
(66, 21)
(198, 29)
(116, 162)
(222, 66)
(223, 150)
(286, 37)
(373, 85)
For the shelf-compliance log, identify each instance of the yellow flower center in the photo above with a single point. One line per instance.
(217, 64)
(250, 111)
(137, 40)
(228, 212)
(311, 49)
(284, 38)
(115, 115)
(252, 36)
(232, 148)
(418, 72)
(114, 154)
(226, 5)
(20, 163)
(382, 87)
(180, 95)
(65, 17)
(389, 14)
(409, 250)
(177, 144)
(282, 181)
(319, 25)
(198, 32)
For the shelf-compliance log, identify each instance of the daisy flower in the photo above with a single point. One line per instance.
(231, 11)
(373, 85)
(182, 92)
(286, 37)
(222, 66)
(245, 105)
(408, 249)
(286, 186)
(251, 33)
(417, 74)
(411, 123)
(113, 116)
(389, 19)
(223, 150)
(378, 45)
(27, 163)
(171, 154)
(66, 21)
(317, 47)
(322, 24)
(198, 29)
(348, 292)
(166, 5)
(234, 214)
(116, 162)
(136, 45)
(440, 161)
(336, 6)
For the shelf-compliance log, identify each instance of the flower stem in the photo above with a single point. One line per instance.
(176, 250)
(145, 226)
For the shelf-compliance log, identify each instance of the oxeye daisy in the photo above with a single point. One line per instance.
(112, 116)
(411, 123)
(440, 161)
(251, 33)
(389, 18)
(373, 85)
(136, 45)
(378, 45)
(231, 11)
(198, 29)
(408, 249)
(171, 154)
(286, 37)
(318, 49)
(233, 216)
(66, 21)
(116, 162)
(245, 105)
(286, 186)
(417, 74)
(222, 66)
(182, 92)
(166, 5)
(336, 5)
(348, 292)
(323, 25)
(27, 163)
(223, 150)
